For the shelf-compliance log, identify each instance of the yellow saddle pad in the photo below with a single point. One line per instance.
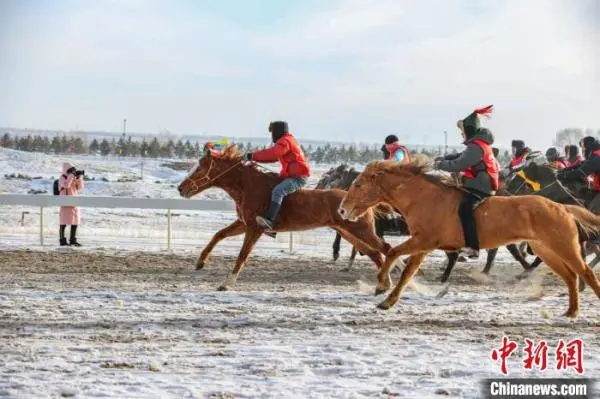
(534, 185)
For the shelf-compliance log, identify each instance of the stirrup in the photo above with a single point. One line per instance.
(264, 222)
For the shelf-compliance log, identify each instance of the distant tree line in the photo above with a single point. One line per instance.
(127, 147)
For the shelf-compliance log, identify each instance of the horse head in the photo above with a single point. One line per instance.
(333, 177)
(376, 183)
(212, 166)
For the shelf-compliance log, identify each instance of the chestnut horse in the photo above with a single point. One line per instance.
(551, 229)
(251, 190)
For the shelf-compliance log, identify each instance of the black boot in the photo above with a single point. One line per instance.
(268, 221)
(73, 239)
(63, 240)
(467, 218)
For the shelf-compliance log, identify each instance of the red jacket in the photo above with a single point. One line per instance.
(559, 164)
(596, 176)
(287, 151)
(578, 161)
(492, 167)
(517, 160)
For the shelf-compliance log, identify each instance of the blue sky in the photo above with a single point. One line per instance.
(350, 70)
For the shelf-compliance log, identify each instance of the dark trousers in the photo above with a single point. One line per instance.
(466, 211)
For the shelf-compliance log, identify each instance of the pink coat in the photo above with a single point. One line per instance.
(69, 185)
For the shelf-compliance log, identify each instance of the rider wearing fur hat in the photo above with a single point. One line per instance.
(590, 168)
(294, 168)
(480, 174)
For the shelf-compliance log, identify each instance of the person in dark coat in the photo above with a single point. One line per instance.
(480, 174)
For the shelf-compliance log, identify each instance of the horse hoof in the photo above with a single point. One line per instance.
(379, 291)
(223, 288)
(571, 314)
(200, 265)
(461, 259)
(523, 276)
(335, 257)
(384, 305)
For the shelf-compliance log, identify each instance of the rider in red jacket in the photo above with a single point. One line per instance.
(294, 168)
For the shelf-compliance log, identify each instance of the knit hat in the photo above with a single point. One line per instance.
(471, 124)
(392, 138)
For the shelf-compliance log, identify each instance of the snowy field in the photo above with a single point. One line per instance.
(124, 318)
(147, 325)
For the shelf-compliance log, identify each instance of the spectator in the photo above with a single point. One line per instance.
(70, 183)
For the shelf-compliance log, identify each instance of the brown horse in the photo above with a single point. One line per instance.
(553, 230)
(251, 190)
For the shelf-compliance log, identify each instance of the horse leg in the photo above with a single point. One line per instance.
(491, 256)
(336, 246)
(409, 271)
(514, 251)
(364, 232)
(351, 261)
(234, 229)
(408, 247)
(590, 278)
(522, 246)
(452, 258)
(596, 260)
(253, 233)
(358, 244)
(561, 267)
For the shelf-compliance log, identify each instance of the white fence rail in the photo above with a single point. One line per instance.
(44, 201)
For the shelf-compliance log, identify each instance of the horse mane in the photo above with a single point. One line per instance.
(233, 153)
(418, 166)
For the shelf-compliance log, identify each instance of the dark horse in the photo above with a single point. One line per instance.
(342, 177)
(541, 180)
(251, 191)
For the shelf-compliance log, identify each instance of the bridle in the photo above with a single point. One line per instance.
(206, 179)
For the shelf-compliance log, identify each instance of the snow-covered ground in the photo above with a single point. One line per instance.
(148, 325)
(122, 317)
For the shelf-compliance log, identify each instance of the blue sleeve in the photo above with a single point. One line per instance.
(399, 155)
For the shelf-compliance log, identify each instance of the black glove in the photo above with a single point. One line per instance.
(247, 156)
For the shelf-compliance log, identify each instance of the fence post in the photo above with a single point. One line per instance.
(169, 229)
(42, 226)
(291, 242)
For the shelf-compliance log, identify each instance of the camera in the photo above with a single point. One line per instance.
(79, 172)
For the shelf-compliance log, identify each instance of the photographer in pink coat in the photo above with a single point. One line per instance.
(70, 183)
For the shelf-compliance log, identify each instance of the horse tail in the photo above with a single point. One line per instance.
(588, 223)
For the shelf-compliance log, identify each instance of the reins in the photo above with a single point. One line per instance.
(209, 180)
